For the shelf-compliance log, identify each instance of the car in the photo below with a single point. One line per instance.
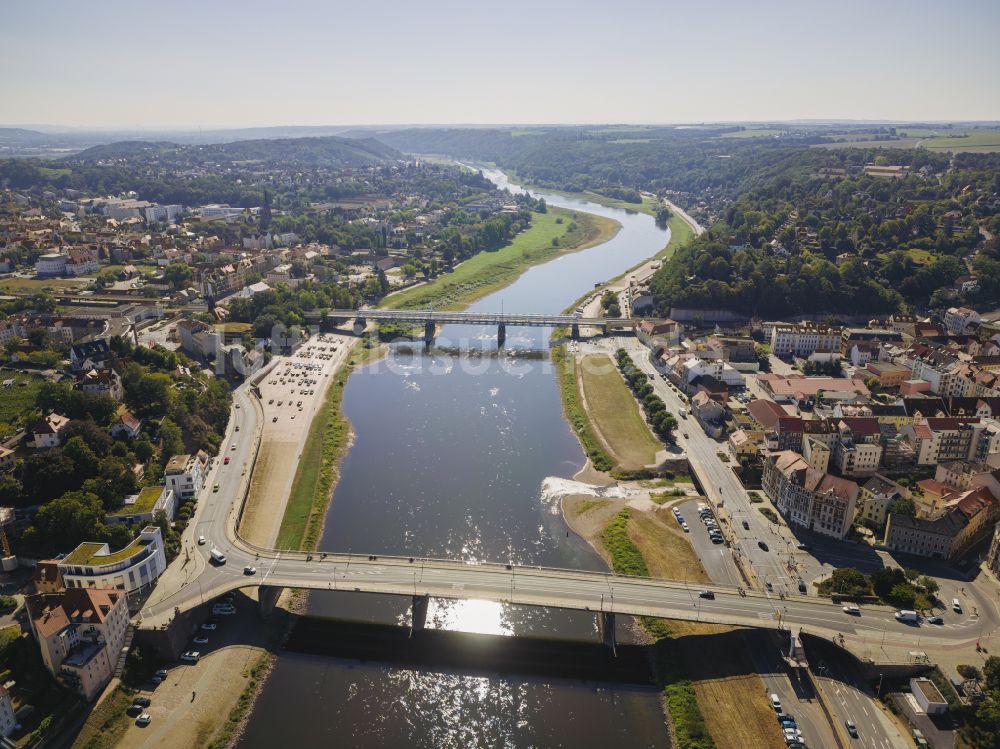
(142, 702)
(134, 711)
(237, 405)
(802, 547)
(191, 656)
(274, 419)
(215, 488)
(143, 720)
(792, 733)
(802, 586)
(209, 626)
(763, 546)
(716, 539)
(776, 702)
(746, 525)
(249, 570)
(852, 609)
(707, 594)
(224, 609)
(786, 721)
(852, 729)
(200, 640)
(685, 435)
(935, 620)
(226, 461)
(233, 447)
(680, 518)
(237, 427)
(271, 402)
(162, 673)
(685, 527)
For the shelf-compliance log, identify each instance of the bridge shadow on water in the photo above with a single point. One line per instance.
(464, 652)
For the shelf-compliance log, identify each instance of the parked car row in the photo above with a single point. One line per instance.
(789, 729)
(708, 518)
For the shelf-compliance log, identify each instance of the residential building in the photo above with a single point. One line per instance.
(709, 413)
(46, 431)
(81, 262)
(184, 476)
(816, 453)
(51, 265)
(48, 579)
(807, 497)
(90, 355)
(958, 319)
(938, 440)
(668, 331)
(128, 425)
(887, 374)
(964, 520)
(133, 569)
(993, 556)
(860, 345)
(7, 458)
(142, 507)
(797, 388)
(80, 633)
(101, 382)
(745, 443)
(198, 339)
(804, 339)
(875, 498)
(8, 721)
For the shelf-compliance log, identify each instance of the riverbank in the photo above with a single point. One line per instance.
(710, 702)
(557, 232)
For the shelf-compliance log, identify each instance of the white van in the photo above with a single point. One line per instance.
(776, 702)
(905, 615)
(956, 605)
(217, 556)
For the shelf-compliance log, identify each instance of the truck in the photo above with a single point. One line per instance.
(908, 616)
(217, 556)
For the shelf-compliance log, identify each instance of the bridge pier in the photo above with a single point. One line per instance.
(418, 614)
(267, 598)
(501, 334)
(430, 328)
(575, 332)
(359, 325)
(606, 626)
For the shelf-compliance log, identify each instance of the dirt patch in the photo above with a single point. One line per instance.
(266, 501)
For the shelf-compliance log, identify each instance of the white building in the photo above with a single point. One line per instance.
(804, 340)
(80, 633)
(958, 319)
(142, 507)
(184, 476)
(47, 431)
(8, 721)
(51, 264)
(133, 569)
(167, 213)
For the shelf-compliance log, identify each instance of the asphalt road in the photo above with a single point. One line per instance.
(798, 698)
(717, 559)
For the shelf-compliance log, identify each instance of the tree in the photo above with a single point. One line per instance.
(177, 274)
(991, 673)
(850, 582)
(66, 522)
(171, 440)
(903, 506)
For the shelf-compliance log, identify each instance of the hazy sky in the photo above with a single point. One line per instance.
(216, 63)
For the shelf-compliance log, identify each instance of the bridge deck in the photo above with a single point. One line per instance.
(479, 318)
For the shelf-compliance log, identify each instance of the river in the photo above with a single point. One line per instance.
(450, 454)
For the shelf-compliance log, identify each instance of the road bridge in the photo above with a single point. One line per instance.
(431, 319)
(874, 634)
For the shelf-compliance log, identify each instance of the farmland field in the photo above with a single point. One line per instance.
(764, 132)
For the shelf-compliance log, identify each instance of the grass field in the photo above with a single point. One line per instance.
(17, 401)
(16, 285)
(974, 141)
(233, 327)
(763, 132)
(615, 414)
(486, 272)
(712, 702)
(576, 414)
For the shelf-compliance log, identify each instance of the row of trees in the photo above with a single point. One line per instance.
(660, 420)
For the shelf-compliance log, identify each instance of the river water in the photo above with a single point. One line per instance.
(449, 458)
